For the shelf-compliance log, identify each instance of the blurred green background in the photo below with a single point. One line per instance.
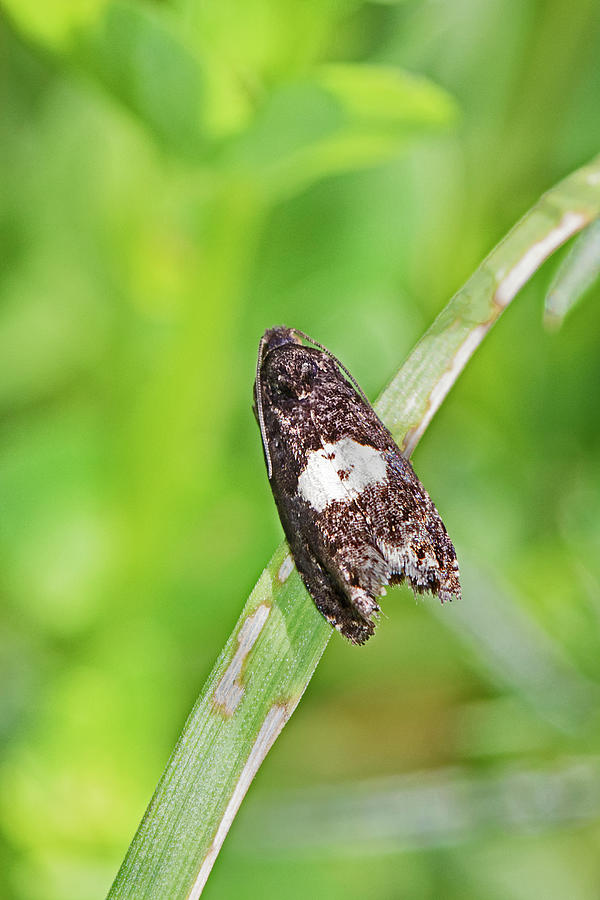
(176, 177)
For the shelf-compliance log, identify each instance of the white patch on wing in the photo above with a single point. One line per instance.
(340, 471)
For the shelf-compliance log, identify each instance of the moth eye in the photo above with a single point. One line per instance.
(308, 370)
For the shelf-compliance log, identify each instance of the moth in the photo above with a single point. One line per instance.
(355, 515)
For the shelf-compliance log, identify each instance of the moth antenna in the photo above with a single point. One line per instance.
(259, 407)
(351, 378)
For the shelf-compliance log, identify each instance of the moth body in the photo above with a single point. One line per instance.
(355, 515)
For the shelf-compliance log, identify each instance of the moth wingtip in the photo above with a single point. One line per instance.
(360, 638)
(355, 631)
(449, 592)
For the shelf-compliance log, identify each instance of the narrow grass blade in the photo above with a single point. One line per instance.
(409, 403)
(576, 274)
(422, 810)
(514, 650)
(280, 636)
(251, 693)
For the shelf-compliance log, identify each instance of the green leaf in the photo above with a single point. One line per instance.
(53, 23)
(386, 99)
(576, 274)
(340, 118)
(279, 638)
(139, 56)
(423, 810)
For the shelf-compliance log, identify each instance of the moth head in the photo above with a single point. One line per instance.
(286, 370)
(276, 337)
(287, 373)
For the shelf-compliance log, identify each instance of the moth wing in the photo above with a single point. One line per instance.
(410, 533)
(395, 531)
(316, 559)
(355, 515)
(339, 529)
(324, 576)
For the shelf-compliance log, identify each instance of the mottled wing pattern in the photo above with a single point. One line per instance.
(355, 515)
(321, 559)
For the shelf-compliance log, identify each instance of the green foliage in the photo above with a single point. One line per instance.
(171, 185)
(139, 57)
